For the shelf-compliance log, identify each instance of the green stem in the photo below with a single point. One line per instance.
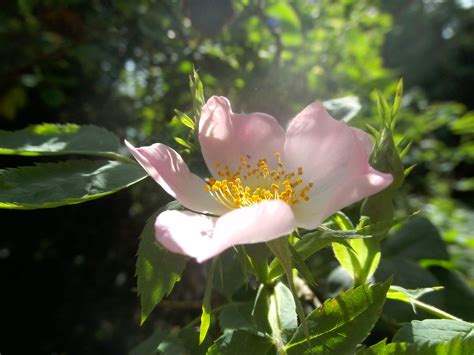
(435, 311)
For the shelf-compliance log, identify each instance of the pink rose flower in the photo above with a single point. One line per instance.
(265, 182)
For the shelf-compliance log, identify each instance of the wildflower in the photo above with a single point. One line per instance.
(265, 182)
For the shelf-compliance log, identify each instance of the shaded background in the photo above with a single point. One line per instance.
(68, 273)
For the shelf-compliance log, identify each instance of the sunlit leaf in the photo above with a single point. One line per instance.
(55, 139)
(341, 323)
(57, 184)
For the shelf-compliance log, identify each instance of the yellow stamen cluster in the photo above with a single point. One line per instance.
(249, 185)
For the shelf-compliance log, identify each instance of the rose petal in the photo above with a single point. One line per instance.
(226, 136)
(317, 142)
(185, 232)
(255, 224)
(203, 237)
(169, 170)
(345, 185)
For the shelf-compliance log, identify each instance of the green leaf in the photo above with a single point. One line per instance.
(157, 269)
(58, 184)
(433, 331)
(417, 239)
(55, 139)
(310, 243)
(182, 142)
(282, 314)
(197, 93)
(398, 99)
(229, 277)
(238, 316)
(235, 342)
(409, 296)
(280, 248)
(185, 119)
(456, 346)
(360, 259)
(459, 297)
(342, 322)
(150, 345)
(383, 109)
(206, 304)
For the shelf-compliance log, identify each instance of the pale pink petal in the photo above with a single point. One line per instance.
(255, 224)
(169, 170)
(185, 232)
(203, 237)
(226, 136)
(365, 139)
(346, 184)
(317, 142)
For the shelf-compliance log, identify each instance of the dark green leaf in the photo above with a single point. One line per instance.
(238, 316)
(157, 269)
(237, 342)
(150, 345)
(341, 323)
(459, 297)
(417, 239)
(54, 139)
(65, 183)
(433, 331)
(229, 276)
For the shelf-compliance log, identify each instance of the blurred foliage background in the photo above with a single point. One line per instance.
(68, 273)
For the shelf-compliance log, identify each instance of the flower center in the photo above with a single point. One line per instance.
(249, 185)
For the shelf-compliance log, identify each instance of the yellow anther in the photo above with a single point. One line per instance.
(261, 183)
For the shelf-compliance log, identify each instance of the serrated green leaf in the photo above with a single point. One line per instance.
(456, 346)
(55, 139)
(341, 323)
(157, 269)
(433, 331)
(66, 183)
(236, 342)
(206, 304)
